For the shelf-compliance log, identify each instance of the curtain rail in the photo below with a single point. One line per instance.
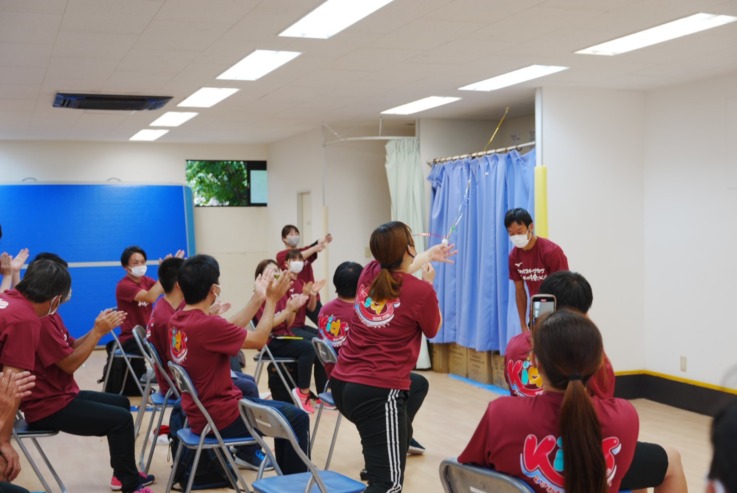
(443, 160)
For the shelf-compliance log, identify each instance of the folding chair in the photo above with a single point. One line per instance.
(460, 478)
(326, 355)
(158, 400)
(118, 352)
(270, 422)
(201, 442)
(22, 432)
(266, 356)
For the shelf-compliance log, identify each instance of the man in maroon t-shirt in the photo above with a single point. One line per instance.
(531, 260)
(136, 293)
(39, 294)
(203, 345)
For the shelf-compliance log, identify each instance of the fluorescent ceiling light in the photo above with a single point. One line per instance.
(419, 105)
(173, 118)
(149, 135)
(207, 97)
(332, 17)
(514, 77)
(258, 64)
(659, 34)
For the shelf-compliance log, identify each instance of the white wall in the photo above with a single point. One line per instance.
(592, 142)
(232, 235)
(690, 238)
(350, 196)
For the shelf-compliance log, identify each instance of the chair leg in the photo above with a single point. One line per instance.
(154, 442)
(142, 408)
(146, 437)
(177, 458)
(110, 359)
(284, 381)
(49, 466)
(332, 443)
(314, 428)
(33, 465)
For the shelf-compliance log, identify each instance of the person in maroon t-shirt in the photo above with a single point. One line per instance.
(39, 294)
(58, 404)
(531, 260)
(136, 293)
(532, 439)
(371, 380)
(290, 237)
(653, 465)
(203, 345)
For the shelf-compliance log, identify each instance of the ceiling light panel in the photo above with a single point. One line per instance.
(332, 17)
(258, 64)
(173, 118)
(514, 77)
(149, 135)
(207, 97)
(659, 34)
(420, 105)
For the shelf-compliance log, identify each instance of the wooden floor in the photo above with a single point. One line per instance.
(448, 417)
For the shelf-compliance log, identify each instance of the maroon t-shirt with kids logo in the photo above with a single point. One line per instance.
(203, 345)
(534, 265)
(139, 312)
(334, 321)
(525, 381)
(385, 335)
(521, 438)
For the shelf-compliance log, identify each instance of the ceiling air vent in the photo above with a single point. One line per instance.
(116, 102)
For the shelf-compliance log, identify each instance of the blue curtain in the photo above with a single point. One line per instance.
(475, 293)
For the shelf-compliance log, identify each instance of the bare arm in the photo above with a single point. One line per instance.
(520, 296)
(319, 247)
(17, 265)
(245, 314)
(151, 295)
(6, 271)
(105, 322)
(438, 253)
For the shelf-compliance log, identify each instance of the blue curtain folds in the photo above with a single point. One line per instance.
(469, 200)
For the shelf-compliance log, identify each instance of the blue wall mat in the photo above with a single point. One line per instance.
(89, 226)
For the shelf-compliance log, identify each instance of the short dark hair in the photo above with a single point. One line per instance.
(196, 275)
(571, 290)
(294, 254)
(50, 256)
(724, 440)
(261, 267)
(288, 229)
(44, 280)
(168, 271)
(128, 253)
(345, 279)
(517, 215)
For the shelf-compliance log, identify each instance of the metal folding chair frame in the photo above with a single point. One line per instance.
(326, 354)
(461, 478)
(118, 352)
(22, 432)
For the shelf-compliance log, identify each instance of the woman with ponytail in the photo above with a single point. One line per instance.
(371, 380)
(563, 440)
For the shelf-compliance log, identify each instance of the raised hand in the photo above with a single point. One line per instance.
(277, 288)
(219, 308)
(20, 260)
(442, 252)
(296, 302)
(6, 264)
(107, 320)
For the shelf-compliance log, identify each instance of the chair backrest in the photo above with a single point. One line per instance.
(271, 423)
(464, 478)
(139, 335)
(159, 364)
(185, 385)
(325, 352)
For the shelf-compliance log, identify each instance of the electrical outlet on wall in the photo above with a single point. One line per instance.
(684, 362)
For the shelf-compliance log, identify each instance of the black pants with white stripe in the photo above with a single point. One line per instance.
(381, 418)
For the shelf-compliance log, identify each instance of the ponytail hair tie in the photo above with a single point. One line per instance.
(574, 377)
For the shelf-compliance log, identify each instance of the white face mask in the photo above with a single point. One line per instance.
(520, 241)
(139, 270)
(53, 310)
(69, 296)
(296, 266)
(217, 296)
(293, 240)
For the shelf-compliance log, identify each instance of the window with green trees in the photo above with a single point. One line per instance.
(227, 183)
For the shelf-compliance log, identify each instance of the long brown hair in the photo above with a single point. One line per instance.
(388, 244)
(569, 350)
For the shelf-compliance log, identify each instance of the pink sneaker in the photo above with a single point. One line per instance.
(303, 400)
(146, 479)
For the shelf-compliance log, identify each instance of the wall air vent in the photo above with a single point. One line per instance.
(116, 102)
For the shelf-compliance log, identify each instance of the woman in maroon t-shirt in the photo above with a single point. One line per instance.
(564, 439)
(371, 380)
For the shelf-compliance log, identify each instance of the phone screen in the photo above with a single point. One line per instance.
(541, 305)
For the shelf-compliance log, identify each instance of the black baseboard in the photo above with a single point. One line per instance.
(702, 400)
